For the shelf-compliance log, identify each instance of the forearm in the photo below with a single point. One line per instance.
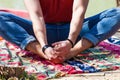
(36, 16)
(75, 28)
(79, 9)
(39, 29)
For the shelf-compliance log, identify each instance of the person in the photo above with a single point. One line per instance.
(118, 2)
(58, 29)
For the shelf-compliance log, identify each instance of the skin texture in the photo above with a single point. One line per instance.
(61, 50)
(118, 3)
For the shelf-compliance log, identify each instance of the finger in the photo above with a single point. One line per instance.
(57, 53)
(58, 47)
(49, 56)
(46, 57)
(61, 58)
(56, 43)
(53, 55)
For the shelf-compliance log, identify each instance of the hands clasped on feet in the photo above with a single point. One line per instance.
(59, 51)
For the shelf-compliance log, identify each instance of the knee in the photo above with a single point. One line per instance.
(117, 15)
(4, 15)
(114, 12)
(112, 15)
(117, 10)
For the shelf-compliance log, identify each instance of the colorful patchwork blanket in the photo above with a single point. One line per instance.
(103, 57)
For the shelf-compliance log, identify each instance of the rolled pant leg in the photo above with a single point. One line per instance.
(15, 29)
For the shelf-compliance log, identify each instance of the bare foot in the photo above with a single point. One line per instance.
(71, 54)
(35, 48)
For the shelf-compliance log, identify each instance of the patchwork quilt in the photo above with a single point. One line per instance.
(104, 57)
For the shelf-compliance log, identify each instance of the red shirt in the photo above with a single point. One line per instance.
(57, 10)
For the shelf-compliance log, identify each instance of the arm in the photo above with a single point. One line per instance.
(79, 9)
(35, 12)
(63, 50)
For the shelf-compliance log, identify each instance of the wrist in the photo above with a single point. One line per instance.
(70, 42)
(45, 47)
(73, 37)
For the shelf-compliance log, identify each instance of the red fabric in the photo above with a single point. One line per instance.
(20, 13)
(57, 10)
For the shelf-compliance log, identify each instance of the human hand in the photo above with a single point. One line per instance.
(61, 49)
(70, 55)
(52, 56)
(61, 59)
(50, 53)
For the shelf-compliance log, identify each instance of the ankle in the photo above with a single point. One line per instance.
(32, 45)
(35, 48)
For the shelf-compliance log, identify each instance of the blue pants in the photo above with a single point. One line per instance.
(96, 28)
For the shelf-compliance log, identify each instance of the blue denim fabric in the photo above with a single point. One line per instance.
(96, 28)
(102, 25)
(15, 29)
